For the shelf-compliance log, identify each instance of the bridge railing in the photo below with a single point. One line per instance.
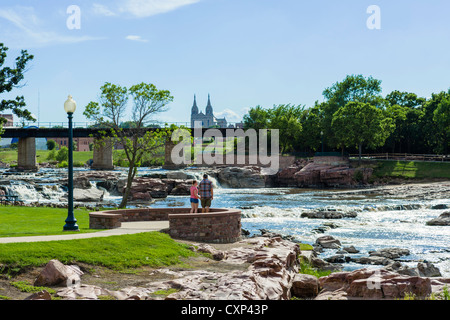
(65, 124)
(403, 156)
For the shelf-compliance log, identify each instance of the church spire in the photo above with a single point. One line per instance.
(209, 109)
(194, 109)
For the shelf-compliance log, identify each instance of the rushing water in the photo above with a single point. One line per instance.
(381, 221)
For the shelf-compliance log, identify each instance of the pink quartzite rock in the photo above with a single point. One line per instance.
(57, 274)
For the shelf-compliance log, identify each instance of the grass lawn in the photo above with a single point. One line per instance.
(412, 169)
(8, 156)
(152, 249)
(38, 221)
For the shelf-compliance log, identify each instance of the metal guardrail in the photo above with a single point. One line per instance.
(403, 156)
(65, 124)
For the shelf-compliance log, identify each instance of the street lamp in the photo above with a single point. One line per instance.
(71, 223)
(321, 135)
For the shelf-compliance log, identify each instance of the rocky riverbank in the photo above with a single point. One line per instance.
(257, 268)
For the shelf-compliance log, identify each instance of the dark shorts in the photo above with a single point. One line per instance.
(193, 200)
(206, 202)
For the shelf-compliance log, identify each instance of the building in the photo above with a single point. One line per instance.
(82, 144)
(9, 120)
(207, 119)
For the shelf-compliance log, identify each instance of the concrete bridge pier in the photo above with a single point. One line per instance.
(103, 155)
(26, 159)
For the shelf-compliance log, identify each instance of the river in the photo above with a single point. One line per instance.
(382, 220)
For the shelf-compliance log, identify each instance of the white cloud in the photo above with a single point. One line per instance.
(25, 29)
(135, 38)
(229, 114)
(147, 8)
(102, 10)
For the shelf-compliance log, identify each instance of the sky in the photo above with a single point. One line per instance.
(243, 53)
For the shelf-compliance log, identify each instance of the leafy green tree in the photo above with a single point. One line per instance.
(361, 124)
(51, 144)
(354, 88)
(257, 118)
(286, 118)
(405, 109)
(62, 154)
(10, 78)
(441, 116)
(312, 132)
(433, 123)
(109, 113)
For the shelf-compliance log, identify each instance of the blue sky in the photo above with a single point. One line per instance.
(243, 52)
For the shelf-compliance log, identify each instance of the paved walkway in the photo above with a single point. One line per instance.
(126, 228)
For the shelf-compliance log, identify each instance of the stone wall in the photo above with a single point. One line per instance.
(219, 225)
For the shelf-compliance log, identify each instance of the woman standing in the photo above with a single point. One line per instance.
(194, 197)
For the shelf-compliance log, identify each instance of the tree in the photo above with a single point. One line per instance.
(10, 78)
(62, 154)
(311, 120)
(51, 144)
(354, 88)
(286, 118)
(433, 122)
(257, 118)
(109, 113)
(361, 124)
(405, 109)
(441, 116)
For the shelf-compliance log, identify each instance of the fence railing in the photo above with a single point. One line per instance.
(403, 156)
(65, 124)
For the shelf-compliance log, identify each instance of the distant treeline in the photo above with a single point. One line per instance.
(355, 117)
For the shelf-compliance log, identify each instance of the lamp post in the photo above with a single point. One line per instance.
(321, 135)
(71, 223)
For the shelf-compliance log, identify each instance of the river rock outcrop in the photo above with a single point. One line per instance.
(372, 284)
(265, 268)
(442, 220)
(241, 177)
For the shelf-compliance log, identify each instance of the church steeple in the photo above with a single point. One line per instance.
(209, 109)
(194, 109)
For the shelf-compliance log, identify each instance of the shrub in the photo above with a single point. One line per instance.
(63, 154)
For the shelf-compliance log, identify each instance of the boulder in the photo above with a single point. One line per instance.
(328, 242)
(351, 249)
(427, 269)
(153, 186)
(442, 220)
(41, 295)
(372, 284)
(237, 177)
(390, 253)
(88, 195)
(305, 286)
(57, 274)
(327, 213)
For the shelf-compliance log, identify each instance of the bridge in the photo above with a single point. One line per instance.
(102, 156)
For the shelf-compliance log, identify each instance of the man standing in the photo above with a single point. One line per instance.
(205, 190)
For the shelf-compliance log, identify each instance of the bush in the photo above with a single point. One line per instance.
(51, 155)
(63, 164)
(51, 144)
(63, 154)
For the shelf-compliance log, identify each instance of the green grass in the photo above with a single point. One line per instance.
(8, 156)
(152, 249)
(412, 170)
(38, 221)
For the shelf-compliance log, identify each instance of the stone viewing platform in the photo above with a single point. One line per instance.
(217, 226)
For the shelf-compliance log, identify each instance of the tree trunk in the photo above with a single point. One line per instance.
(126, 194)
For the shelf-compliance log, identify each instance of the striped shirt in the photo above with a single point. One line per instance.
(204, 189)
